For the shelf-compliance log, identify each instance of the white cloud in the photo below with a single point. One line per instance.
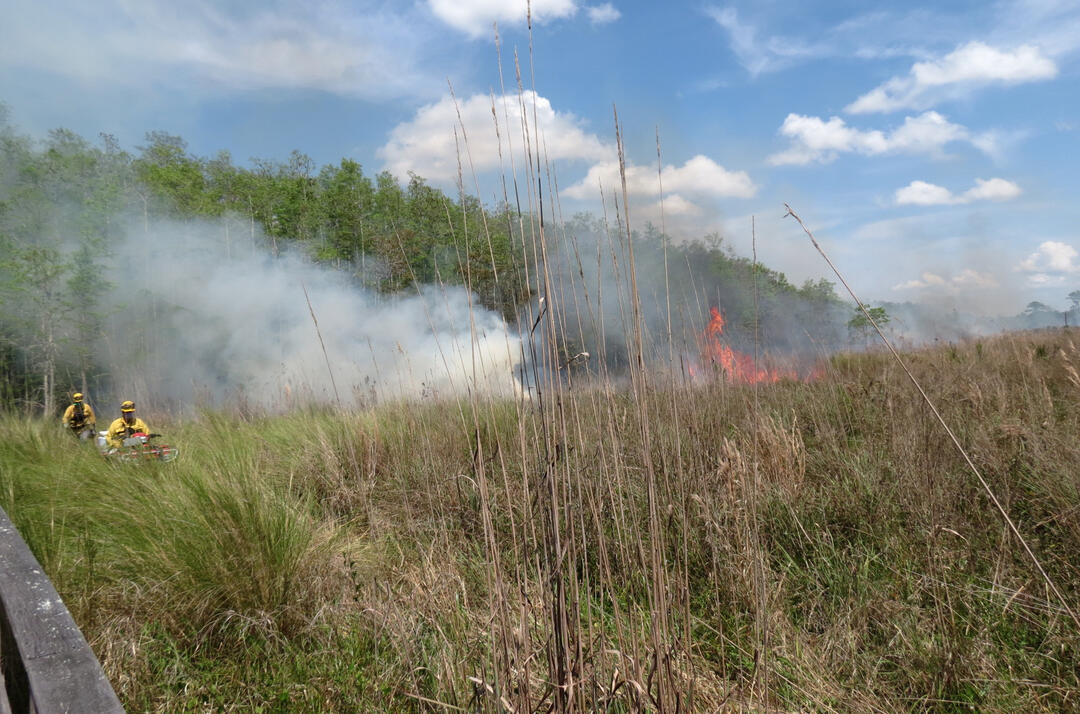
(759, 55)
(1052, 259)
(427, 145)
(921, 193)
(925, 33)
(814, 139)
(476, 18)
(969, 277)
(1054, 25)
(1042, 280)
(995, 189)
(927, 280)
(676, 205)
(968, 67)
(744, 42)
(927, 132)
(966, 279)
(700, 176)
(326, 46)
(603, 14)
(918, 229)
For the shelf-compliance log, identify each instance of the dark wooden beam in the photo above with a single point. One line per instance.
(47, 665)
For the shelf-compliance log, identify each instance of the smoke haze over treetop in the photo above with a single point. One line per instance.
(195, 318)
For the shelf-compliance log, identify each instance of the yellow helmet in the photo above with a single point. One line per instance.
(77, 396)
(127, 406)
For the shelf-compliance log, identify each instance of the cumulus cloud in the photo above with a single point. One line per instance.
(965, 279)
(327, 46)
(969, 67)
(816, 140)
(477, 17)
(972, 277)
(995, 189)
(603, 14)
(1050, 263)
(676, 205)
(678, 213)
(921, 193)
(429, 144)
(700, 176)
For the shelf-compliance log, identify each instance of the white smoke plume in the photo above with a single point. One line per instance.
(199, 315)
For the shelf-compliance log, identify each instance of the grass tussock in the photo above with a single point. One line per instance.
(816, 547)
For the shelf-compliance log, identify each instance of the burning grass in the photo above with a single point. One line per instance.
(718, 357)
(826, 549)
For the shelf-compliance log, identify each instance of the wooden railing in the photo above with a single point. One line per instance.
(46, 666)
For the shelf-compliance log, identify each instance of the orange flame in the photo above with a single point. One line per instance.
(715, 328)
(735, 365)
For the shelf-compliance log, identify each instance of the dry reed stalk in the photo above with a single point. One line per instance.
(499, 642)
(667, 694)
(673, 386)
(761, 620)
(337, 397)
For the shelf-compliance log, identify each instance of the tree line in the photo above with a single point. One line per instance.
(65, 201)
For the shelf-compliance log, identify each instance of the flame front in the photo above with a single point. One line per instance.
(736, 366)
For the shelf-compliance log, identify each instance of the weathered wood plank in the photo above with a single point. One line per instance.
(5, 707)
(47, 662)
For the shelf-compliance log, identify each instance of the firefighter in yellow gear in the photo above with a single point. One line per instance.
(127, 425)
(79, 417)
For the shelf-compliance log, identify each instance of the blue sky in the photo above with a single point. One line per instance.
(932, 148)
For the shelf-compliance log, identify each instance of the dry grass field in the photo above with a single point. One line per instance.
(665, 546)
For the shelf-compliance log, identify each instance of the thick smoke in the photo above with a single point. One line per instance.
(200, 314)
(592, 289)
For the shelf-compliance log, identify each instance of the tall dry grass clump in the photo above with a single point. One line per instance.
(207, 552)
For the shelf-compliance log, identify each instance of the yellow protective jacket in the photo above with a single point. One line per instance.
(71, 421)
(120, 430)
